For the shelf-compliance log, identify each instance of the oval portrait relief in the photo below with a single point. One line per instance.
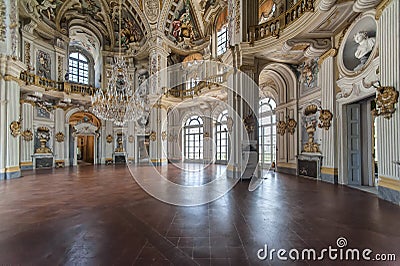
(359, 44)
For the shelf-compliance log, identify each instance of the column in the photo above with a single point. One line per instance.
(59, 138)
(388, 134)
(158, 135)
(27, 141)
(130, 141)
(109, 146)
(158, 115)
(329, 169)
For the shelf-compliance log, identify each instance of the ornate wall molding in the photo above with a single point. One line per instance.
(381, 7)
(364, 5)
(2, 21)
(330, 53)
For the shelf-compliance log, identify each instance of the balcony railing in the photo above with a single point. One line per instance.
(273, 27)
(183, 91)
(52, 85)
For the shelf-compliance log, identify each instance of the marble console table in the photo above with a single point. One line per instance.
(309, 165)
(43, 160)
(119, 157)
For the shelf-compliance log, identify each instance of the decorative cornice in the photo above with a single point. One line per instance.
(381, 7)
(315, 48)
(330, 53)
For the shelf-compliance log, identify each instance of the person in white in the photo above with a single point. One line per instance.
(365, 46)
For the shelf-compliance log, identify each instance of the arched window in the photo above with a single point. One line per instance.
(78, 68)
(222, 137)
(221, 28)
(193, 129)
(267, 131)
(222, 40)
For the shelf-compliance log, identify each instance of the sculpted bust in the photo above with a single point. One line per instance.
(365, 46)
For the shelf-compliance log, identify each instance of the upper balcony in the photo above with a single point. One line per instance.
(75, 90)
(274, 26)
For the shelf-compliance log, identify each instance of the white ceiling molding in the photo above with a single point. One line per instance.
(314, 47)
(364, 5)
(326, 5)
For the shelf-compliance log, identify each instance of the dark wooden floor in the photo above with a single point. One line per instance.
(100, 216)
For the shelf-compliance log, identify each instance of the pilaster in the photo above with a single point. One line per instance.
(388, 134)
(27, 143)
(329, 170)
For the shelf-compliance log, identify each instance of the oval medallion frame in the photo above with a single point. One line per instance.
(348, 64)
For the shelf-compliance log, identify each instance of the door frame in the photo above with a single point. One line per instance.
(95, 155)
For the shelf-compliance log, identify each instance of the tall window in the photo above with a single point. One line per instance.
(194, 138)
(78, 68)
(222, 137)
(222, 40)
(267, 131)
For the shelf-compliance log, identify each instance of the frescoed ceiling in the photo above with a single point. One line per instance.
(99, 16)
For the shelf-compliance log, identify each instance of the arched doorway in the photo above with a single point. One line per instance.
(83, 142)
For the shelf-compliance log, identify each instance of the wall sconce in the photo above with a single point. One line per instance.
(281, 127)
(386, 98)
(15, 128)
(325, 117)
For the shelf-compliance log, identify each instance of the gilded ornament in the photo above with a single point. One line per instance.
(311, 109)
(385, 100)
(109, 138)
(291, 126)
(15, 128)
(60, 137)
(325, 118)
(281, 127)
(43, 134)
(27, 135)
(153, 136)
(164, 135)
(120, 147)
(311, 146)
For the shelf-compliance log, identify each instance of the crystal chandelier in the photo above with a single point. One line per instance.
(119, 103)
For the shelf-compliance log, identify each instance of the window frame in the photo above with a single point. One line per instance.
(193, 131)
(267, 132)
(222, 139)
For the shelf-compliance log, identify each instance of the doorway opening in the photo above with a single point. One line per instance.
(361, 145)
(143, 149)
(85, 150)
